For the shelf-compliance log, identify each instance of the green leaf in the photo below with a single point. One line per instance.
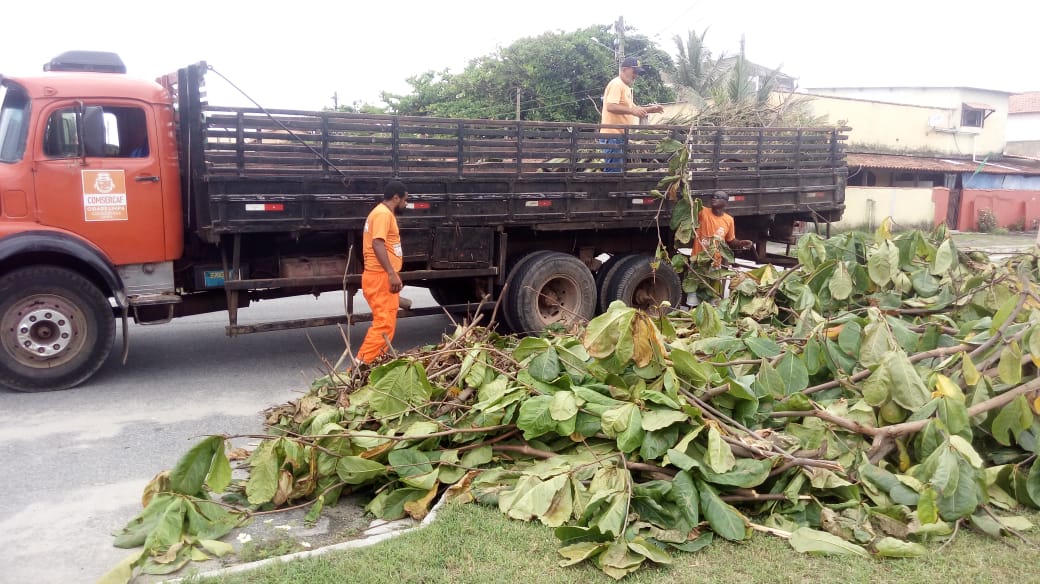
(579, 552)
(408, 462)
(169, 529)
(878, 387)
(820, 543)
(1012, 420)
(263, 475)
(535, 418)
(722, 517)
(653, 553)
(793, 371)
(191, 470)
(618, 561)
(656, 419)
(123, 572)
(769, 381)
(1010, 366)
(531, 497)
(883, 263)
(626, 424)
(355, 470)
(876, 343)
(397, 386)
(719, 456)
(840, 283)
(746, 473)
(684, 493)
(546, 366)
(945, 258)
(763, 347)
(611, 332)
(1033, 482)
(927, 506)
(219, 471)
(563, 406)
(689, 369)
(907, 388)
(890, 547)
(217, 548)
(1005, 310)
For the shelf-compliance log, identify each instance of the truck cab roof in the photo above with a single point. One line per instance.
(90, 85)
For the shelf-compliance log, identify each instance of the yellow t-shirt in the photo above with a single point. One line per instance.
(618, 92)
(382, 224)
(711, 226)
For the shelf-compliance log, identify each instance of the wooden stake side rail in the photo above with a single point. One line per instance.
(316, 145)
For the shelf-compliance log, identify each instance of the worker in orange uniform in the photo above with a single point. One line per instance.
(716, 225)
(380, 282)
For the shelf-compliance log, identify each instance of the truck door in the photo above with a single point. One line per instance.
(98, 175)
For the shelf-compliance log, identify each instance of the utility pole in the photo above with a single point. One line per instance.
(517, 104)
(619, 31)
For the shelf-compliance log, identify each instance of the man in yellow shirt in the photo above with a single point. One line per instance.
(619, 108)
(716, 226)
(380, 282)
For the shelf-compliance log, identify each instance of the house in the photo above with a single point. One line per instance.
(925, 155)
(1023, 127)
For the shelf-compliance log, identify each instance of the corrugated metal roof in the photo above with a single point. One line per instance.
(899, 162)
(1024, 103)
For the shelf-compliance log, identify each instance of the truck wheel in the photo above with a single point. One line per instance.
(552, 288)
(56, 329)
(510, 295)
(639, 285)
(605, 277)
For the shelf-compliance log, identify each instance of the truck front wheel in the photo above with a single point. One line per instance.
(56, 329)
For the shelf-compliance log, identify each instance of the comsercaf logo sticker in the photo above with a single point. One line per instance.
(104, 195)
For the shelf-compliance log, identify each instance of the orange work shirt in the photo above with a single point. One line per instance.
(620, 93)
(382, 224)
(712, 225)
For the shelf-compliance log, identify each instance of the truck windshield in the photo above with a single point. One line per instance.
(14, 121)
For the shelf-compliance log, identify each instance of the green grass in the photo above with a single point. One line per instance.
(469, 543)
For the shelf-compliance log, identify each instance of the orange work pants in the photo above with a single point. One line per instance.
(384, 304)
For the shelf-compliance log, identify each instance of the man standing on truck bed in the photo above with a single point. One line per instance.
(715, 225)
(380, 283)
(619, 108)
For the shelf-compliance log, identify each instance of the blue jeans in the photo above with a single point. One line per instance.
(612, 164)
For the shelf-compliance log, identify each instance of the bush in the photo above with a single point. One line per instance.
(987, 220)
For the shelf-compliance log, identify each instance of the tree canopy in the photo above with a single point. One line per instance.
(560, 77)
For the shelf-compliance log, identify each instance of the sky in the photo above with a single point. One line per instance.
(296, 55)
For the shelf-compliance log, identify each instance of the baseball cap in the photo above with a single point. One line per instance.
(721, 195)
(633, 63)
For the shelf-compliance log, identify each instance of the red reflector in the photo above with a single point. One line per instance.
(545, 203)
(265, 206)
(736, 198)
(418, 205)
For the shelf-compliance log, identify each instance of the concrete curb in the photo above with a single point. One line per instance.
(382, 534)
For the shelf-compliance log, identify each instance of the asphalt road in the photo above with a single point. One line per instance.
(75, 462)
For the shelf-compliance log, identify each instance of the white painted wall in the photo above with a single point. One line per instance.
(906, 206)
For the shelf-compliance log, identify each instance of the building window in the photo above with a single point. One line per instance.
(972, 117)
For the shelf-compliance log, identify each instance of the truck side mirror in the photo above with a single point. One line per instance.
(93, 131)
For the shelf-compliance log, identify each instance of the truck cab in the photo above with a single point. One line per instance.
(90, 209)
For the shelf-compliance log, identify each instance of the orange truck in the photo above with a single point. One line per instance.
(128, 199)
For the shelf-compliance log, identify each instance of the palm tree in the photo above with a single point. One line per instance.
(696, 70)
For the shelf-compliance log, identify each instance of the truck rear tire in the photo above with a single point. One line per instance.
(605, 279)
(639, 285)
(56, 329)
(512, 284)
(549, 288)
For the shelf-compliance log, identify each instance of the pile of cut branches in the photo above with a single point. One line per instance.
(871, 400)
